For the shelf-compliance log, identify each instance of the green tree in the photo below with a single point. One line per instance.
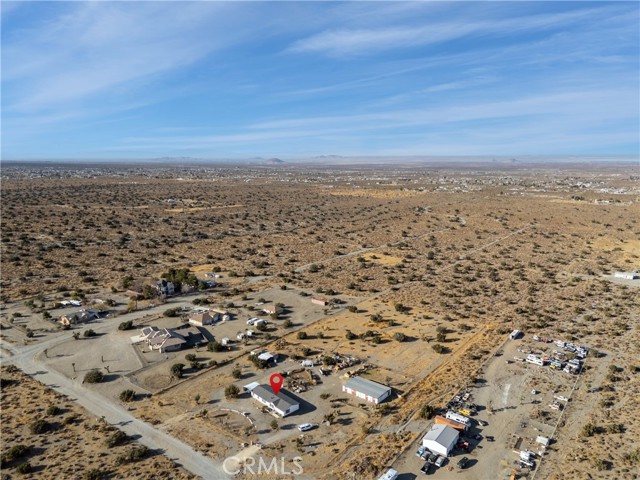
(53, 410)
(39, 426)
(176, 370)
(215, 347)
(95, 474)
(117, 438)
(13, 453)
(328, 361)
(399, 336)
(438, 348)
(427, 411)
(231, 391)
(588, 430)
(24, 468)
(127, 395)
(128, 325)
(93, 376)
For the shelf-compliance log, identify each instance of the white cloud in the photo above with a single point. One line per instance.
(98, 47)
(345, 42)
(536, 122)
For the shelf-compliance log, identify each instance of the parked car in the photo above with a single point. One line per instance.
(483, 423)
(421, 451)
(477, 436)
(253, 320)
(306, 426)
(440, 461)
(426, 468)
(463, 462)
(489, 438)
(432, 458)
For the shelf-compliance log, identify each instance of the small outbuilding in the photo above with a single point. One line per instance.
(272, 309)
(544, 441)
(515, 334)
(441, 439)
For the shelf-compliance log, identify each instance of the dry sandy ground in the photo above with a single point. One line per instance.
(472, 253)
(74, 444)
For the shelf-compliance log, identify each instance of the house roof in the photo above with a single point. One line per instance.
(266, 356)
(200, 317)
(149, 330)
(250, 386)
(282, 401)
(157, 340)
(173, 341)
(442, 434)
(191, 334)
(367, 387)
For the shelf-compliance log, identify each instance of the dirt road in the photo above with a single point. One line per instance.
(26, 358)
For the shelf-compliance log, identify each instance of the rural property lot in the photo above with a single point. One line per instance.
(425, 273)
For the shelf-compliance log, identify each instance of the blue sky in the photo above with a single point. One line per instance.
(295, 79)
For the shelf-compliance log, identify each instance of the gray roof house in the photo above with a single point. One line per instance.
(165, 340)
(282, 404)
(440, 439)
(367, 390)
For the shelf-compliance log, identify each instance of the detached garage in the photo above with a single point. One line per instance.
(367, 390)
(440, 439)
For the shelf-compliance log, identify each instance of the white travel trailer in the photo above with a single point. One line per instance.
(456, 417)
(534, 359)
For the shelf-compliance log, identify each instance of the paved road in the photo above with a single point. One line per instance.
(26, 358)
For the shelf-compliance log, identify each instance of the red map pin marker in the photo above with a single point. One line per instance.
(276, 382)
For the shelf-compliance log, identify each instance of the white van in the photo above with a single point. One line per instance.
(390, 474)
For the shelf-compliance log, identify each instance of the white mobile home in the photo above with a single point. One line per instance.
(282, 404)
